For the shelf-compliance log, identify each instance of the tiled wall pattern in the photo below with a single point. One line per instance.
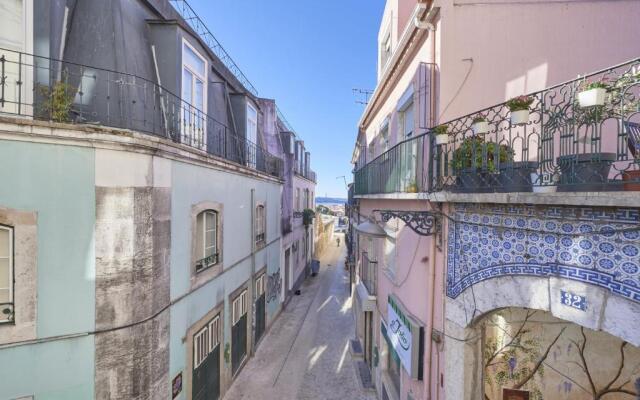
(599, 246)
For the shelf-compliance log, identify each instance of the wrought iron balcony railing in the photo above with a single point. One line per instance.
(207, 262)
(309, 174)
(369, 274)
(565, 142)
(49, 89)
(400, 169)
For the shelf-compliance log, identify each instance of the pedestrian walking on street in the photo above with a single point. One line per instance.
(338, 241)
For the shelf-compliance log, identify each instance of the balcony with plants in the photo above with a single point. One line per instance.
(47, 89)
(579, 136)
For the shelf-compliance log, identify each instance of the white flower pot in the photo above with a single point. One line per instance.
(519, 117)
(442, 139)
(545, 185)
(480, 128)
(592, 97)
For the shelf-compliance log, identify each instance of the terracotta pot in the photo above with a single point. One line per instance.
(633, 177)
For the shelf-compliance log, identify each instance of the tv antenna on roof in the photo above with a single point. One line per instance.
(362, 94)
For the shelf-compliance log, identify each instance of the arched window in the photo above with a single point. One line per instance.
(261, 223)
(206, 240)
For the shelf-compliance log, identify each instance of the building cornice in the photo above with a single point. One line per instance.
(101, 137)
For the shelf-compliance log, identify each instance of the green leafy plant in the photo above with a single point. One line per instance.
(307, 216)
(9, 313)
(441, 130)
(471, 154)
(412, 187)
(478, 119)
(594, 85)
(519, 103)
(57, 102)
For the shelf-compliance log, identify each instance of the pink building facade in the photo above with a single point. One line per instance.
(477, 261)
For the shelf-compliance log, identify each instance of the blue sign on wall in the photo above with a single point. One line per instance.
(573, 300)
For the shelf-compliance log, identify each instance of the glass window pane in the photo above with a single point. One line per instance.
(408, 120)
(209, 239)
(187, 84)
(4, 298)
(210, 220)
(199, 235)
(193, 60)
(198, 100)
(5, 282)
(4, 242)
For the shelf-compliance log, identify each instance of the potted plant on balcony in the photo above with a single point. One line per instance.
(307, 217)
(593, 94)
(442, 135)
(468, 163)
(519, 108)
(480, 126)
(412, 187)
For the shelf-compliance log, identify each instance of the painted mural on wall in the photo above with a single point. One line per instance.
(599, 246)
(274, 286)
(529, 354)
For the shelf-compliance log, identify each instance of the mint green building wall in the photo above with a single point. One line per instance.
(57, 182)
(192, 185)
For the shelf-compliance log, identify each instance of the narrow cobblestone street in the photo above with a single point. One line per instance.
(305, 354)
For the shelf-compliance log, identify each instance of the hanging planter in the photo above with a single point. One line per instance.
(480, 126)
(442, 134)
(593, 94)
(519, 108)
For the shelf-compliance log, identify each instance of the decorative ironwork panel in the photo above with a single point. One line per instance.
(598, 246)
(424, 223)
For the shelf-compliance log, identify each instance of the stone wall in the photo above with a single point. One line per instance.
(133, 235)
(323, 237)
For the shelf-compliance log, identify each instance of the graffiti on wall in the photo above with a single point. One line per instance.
(274, 286)
(532, 352)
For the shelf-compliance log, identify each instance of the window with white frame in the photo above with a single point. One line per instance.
(409, 149)
(260, 286)
(261, 224)
(385, 49)
(252, 136)
(206, 240)
(239, 307)
(384, 138)
(6, 273)
(205, 341)
(406, 120)
(194, 94)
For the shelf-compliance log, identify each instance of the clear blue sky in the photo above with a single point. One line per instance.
(307, 55)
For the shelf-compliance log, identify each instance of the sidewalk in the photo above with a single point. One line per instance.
(305, 353)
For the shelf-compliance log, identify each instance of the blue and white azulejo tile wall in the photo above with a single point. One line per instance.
(598, 246)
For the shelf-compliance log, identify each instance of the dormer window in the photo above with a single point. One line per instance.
(194, 95)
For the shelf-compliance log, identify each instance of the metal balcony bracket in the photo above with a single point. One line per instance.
(424, 223)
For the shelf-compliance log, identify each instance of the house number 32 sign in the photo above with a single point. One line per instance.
(573, 300)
